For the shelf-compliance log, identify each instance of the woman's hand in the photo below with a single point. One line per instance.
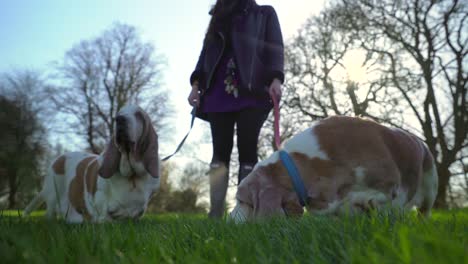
(275, 89)
(194, 96)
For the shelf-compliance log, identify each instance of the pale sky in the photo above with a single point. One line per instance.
(34, 33)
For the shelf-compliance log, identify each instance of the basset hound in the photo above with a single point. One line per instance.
(117, 184)
(347, 165)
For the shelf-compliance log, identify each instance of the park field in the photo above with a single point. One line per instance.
(380, 238)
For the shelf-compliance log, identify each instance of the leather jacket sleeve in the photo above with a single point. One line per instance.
(197, 74)
(274, 47)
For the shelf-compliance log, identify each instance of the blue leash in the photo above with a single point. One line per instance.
(183, 140)
(295, 177)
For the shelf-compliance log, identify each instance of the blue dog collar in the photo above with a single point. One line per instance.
(295, 177)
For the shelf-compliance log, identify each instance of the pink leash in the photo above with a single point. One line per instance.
(277, 120)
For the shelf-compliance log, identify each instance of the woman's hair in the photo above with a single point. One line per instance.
(221, 15)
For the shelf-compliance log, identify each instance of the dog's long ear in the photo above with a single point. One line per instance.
(147, 145)
(247, 191)
(111, 162)
(269, 194)
(292, 207)
(244, 193)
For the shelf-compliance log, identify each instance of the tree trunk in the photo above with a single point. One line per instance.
(444, 179)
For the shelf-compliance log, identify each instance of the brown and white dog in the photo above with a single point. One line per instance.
(347, 165)
(114, 185)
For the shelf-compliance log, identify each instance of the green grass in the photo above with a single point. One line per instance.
(391, 238)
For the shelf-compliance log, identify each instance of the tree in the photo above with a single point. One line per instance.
(416, 57)
(192, 186)
(185, 196)
(195, 178)
(422, 49)
(99, 76)
(317, 85)
(161, 197)
(22, 135)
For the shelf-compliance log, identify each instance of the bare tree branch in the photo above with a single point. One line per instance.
(101, 75)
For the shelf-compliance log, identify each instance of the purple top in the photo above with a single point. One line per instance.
(222, 95)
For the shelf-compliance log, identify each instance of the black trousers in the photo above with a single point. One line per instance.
(248, 123)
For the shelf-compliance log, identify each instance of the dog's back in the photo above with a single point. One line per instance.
(56, 187)
(383, 158)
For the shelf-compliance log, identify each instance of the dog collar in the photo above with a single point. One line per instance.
(296, 179)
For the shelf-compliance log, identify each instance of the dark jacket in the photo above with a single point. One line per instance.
(257, 43)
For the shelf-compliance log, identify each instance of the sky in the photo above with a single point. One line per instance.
(35, 33)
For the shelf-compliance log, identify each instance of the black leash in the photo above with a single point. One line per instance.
(183, 140)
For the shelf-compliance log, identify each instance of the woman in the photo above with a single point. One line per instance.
(240, 66)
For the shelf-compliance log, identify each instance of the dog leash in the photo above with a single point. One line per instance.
(276, 127)
(194, 110)
(276, 114)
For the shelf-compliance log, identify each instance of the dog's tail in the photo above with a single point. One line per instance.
(38, 200)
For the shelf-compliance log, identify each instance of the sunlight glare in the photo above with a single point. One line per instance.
(353, 61)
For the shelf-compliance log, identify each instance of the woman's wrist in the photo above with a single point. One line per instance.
(276, 76)
(195, 85)
(277, 80)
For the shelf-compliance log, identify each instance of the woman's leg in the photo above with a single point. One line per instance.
(249, 124)
(222, 133)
